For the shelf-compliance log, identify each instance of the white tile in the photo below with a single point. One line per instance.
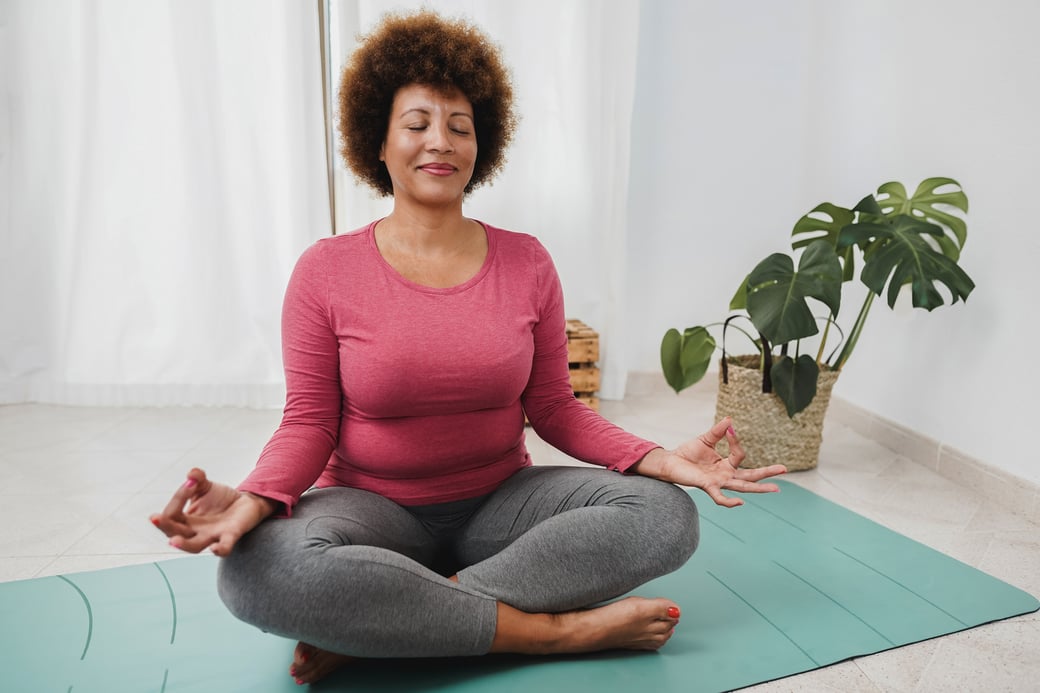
(995, 657)
(226, 465)
(46, 427)
(160, 429)
(21, 567)
(898, 670)
(1014, 557)
(47, 525)
(127, 531)
(78, 471)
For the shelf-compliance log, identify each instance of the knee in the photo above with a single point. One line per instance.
(674, 524)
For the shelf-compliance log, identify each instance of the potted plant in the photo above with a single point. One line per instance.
(778, 395)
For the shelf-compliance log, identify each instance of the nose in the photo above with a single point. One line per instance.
(440, 139)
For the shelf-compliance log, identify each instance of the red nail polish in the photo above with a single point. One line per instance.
(731, 431)
(673, 612)
(155, 521)
(190, 483)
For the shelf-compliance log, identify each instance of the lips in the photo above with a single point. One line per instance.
(438, 169)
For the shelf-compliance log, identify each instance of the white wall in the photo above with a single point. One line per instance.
(749, 113)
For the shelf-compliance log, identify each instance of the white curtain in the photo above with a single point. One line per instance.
(566, 182)
(163, 164)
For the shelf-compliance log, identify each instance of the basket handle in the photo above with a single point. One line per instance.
(767, 358)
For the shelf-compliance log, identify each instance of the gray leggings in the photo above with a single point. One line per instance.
(354, 573)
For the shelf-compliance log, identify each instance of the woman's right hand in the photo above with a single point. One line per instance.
(203, 514)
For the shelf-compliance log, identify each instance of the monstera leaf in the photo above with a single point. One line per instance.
(825, 222)
(776, 293)
(900, 254)
(685, 357)
(794, 381)
(928, 205)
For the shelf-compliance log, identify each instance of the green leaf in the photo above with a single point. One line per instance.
(739, 300)
(685, 357)
(928, 205)
(776, 300)
(794, 382)
(900, 254)
(824, 222)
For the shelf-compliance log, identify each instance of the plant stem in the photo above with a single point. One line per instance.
(823, 341)
(857, 327)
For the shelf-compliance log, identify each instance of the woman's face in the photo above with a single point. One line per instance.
(430, 146)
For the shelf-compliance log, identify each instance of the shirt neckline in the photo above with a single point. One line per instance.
(492, 243)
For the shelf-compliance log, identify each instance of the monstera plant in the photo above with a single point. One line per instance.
(900, 240)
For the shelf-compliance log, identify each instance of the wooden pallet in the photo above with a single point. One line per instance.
(583, 357)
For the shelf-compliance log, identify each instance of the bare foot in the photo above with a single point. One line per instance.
(634, 623)
(311, 664)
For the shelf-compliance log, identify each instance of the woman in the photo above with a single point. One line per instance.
(413, 348)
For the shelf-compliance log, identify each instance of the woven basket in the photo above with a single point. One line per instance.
(768, 434)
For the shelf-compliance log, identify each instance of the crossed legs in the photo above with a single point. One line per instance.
(352, 572)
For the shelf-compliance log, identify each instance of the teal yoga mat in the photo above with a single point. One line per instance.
(786, 584)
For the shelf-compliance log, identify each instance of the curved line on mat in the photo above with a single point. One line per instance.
(173, 601)
(90, 615)
(763, 616)
(836, 602)
(166, 675)
(897, 582)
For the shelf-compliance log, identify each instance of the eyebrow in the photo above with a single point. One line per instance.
(426, 111)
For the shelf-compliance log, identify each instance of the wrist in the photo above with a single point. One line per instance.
(265, 507)
(652, 464)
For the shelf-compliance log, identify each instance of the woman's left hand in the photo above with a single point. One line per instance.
(696, 463)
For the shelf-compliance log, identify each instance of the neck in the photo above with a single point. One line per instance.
(426, 229)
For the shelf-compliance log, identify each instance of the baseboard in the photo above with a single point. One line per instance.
(1012, 493)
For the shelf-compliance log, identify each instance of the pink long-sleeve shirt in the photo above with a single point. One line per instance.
(418, 393)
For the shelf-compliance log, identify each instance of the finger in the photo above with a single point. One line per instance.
(712, 436)
(742, 486)
(759, 473)
(193, 544)
(171, 527)
(223, 547)
(720, 499)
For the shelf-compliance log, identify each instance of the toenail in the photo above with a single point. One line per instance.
(673, 612)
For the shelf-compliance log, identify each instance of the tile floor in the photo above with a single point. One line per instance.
(79, 483)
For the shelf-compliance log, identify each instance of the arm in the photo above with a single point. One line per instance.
(298, 451)
(203, 514)
(556, 416)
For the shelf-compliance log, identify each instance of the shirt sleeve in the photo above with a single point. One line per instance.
(299, 450)
(555, 414)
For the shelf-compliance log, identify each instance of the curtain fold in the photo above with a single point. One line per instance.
(167, 168)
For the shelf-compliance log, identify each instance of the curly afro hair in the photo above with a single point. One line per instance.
(423, 48)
